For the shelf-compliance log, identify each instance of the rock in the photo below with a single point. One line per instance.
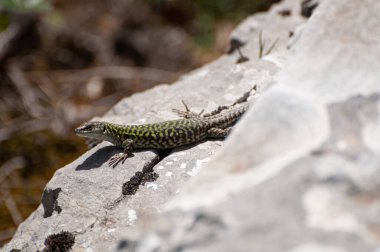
(308, 7)
(300, 171)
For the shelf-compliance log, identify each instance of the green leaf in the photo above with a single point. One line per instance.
(4, 21)
(25, 5)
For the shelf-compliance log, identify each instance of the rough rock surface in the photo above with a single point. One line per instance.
(300, 172)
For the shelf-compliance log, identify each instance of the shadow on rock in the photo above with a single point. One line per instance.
(100, 157)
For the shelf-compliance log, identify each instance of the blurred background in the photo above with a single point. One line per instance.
(64, 62)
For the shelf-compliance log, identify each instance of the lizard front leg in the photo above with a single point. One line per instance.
(121, 157)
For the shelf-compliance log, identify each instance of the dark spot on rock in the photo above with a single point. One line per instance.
(208, 220)
(318, 152)
(285, 12)
(308, 7)
(126, 245)
(235, 43)
(149, 177)
(241, 58)
(60, 242)
(50, 201)
(130, 187)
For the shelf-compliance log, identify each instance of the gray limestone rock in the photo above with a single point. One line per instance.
(299, 172)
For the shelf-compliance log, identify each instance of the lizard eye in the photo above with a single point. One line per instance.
(89, 127)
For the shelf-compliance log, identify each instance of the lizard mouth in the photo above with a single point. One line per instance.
(81, 131)
(84, 129)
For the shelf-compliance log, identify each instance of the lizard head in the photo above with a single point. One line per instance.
(98, 130)
(91, 129)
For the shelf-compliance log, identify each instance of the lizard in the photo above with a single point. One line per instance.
(191, 128)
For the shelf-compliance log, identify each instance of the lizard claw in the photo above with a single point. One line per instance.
(124, 157)
(116, 159)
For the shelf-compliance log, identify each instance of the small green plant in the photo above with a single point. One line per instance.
(4, 21)
(25, 5)
(262, 46)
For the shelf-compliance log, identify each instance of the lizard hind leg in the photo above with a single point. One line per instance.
(218, 133)
(187, 113)
(240, 100)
